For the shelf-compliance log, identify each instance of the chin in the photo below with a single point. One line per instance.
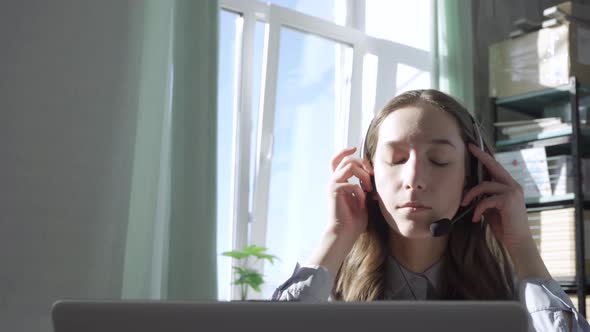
(412, 229)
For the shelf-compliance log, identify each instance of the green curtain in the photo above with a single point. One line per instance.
(170, 249)
(454, 50)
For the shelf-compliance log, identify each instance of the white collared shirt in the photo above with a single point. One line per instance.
(544, 299)
(402, 284)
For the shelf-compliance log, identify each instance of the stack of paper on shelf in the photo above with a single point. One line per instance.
(529, 168)
(524, 128)
(554, 234)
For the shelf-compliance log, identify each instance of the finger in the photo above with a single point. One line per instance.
(360, 196)
(350, 190)
(492, 202)
(359, 162)
(496, 170)
(486, 187)
(338, 158)
(368, 166)
(353, 169)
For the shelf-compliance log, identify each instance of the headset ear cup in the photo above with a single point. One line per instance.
(481, 145)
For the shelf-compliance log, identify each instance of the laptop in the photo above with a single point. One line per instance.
(160, 316)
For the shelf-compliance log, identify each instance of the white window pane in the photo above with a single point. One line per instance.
(369, 87)
(228, 23)
(256, 86)
(329, 10)
(405, 22)
(410, 78)
(304, 131)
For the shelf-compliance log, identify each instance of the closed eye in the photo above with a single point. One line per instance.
(439, 164)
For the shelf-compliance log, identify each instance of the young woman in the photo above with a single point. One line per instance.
(435, 217)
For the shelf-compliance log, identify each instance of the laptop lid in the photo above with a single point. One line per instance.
(160, 316)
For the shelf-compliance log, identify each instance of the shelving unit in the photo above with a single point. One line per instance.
(572, 142)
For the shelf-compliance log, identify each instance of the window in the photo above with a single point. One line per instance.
(228, 50)
(393, 20)
(329, 10)
(298, 82)
(304, 140)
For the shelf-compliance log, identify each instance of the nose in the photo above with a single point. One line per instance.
(412, 174)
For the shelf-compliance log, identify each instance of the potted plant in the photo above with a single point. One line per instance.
(245, 276)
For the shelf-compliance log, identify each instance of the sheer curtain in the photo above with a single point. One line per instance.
(170, 249)
(454, 51)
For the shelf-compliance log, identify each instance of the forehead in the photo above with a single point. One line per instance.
(417, 124)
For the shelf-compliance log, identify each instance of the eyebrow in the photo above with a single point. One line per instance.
(439, 141)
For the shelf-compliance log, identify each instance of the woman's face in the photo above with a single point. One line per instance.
(419, 167)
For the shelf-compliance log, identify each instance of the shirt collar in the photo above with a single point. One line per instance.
(417, 283)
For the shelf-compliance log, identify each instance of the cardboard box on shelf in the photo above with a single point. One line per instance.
(539, 60)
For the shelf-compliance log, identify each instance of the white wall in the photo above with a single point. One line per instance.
(67, 127)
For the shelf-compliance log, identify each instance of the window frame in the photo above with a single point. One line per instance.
(250, 227)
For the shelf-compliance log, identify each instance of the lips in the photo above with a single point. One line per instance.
(413, 204)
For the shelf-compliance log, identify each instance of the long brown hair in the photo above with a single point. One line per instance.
(475, 266)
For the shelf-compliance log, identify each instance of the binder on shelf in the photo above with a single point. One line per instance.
(542, 176)
(529, 168)
(562, 177)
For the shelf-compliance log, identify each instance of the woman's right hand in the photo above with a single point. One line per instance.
(348, 211)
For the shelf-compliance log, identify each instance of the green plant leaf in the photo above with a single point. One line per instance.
(270, 258)
(250, 277)
(259, 252)
(235, 254)
(254, 250)
(240, 270)
(255, 281)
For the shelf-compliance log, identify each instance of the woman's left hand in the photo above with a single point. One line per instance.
(504, 209)
(502, 206)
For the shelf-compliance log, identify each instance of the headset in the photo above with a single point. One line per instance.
(443, 226)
